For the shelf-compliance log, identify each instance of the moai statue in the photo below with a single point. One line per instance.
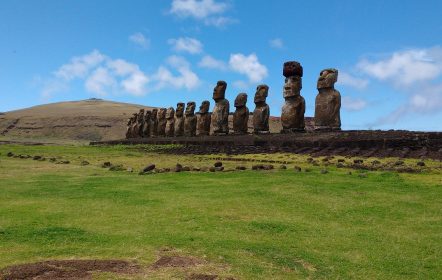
(154, 123)
(170, 122)
(328, 101)
(190, 120)
(139, 125)
(130, 121)
(147, 124)
(261, 113)
(241, 115)
(179, 119)
(161, 118)
(134, 126)
(203, 119)
(220, 114)
(292, 116)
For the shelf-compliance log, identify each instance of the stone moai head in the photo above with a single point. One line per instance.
(261, 93)
(147, 116)
(292, 86)
(327, 78)
(161, 113)
(190, 108)
(170, 113)
(292, 68)
(140, 115)
(154, 114)
(219, 92)
(205, 106)
(241, 100)
(179, 109)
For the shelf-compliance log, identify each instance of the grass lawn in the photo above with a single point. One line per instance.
(277, 224)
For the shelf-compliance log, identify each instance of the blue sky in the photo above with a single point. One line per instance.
(389, 54)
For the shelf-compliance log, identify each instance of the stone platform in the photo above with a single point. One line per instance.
(365, 143)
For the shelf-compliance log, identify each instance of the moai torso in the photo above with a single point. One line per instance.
(129, 127)
(179, 119)
(161, 117)
(154, 123)
(292, 114)
(190, 120)
(220, 114)
(203, 119)
(241, 115)
(170, 122)
(261, 114)
(139, 125)
(327, 102)
(147, 124)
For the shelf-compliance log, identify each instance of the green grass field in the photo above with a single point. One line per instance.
(277, 224)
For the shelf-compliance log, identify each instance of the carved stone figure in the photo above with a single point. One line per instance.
(292, 115)
(147, 124)
(161, 117)
(328, 101)
(138, 127)
(179, 119)
(190, 120)
(261, 113)
(153, 123)
(241, 115)
(203, 119)
(170, 122)
(220, 114)
(130, 122)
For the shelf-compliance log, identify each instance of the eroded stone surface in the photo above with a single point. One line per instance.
(154, 123)
(292, 114)
(220, 114)
(261, 113)
(328, 101)
(179, 119)
(190, 120)
(161, 117)
(241, 115)
(147, 124)
(203, 119)
(170, 122)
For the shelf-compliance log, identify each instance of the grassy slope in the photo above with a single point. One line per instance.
(264, 225)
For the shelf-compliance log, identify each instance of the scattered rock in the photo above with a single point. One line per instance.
(118, 167)
(10, 154)
(218, 164)
(399, 163)
(310, 159)
(340, 165)
(341, 160)
(257, 167)
(178, 168)
(420, 163)
(84, 163)
(36, 157)
(63, 162)
(358, 161)
(268, 167)
(106, 164)
(375, 162)
(52, 159)
(282, 166)
(297, 169)
(195, 169)
(240, 167)
(130, 169)
(212, 169)
(219, 168)
(315, 163)
(149, 167)
(349, 173)
(186, 168)
(204, 169)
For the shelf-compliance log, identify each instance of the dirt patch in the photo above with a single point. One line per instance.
(177, 261)
(67, 269)
(202, 277)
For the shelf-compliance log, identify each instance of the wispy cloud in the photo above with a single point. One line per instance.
(140, 40)
(248, 65)
(210, 12)
(186, 78)
(353, 104)
(212, 63)
(347, 79)
(277, 43)
(186, 44)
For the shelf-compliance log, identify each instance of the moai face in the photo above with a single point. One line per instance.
(147, 116)
(261, 93)
(327, 78)
(241, 100)
(179, 109)
(170, 113)
(219, 92)
(154, 114)
(204, 108)
(140, 115)
(190, 108)
(161, 113)
(292, 68)
(292, 86)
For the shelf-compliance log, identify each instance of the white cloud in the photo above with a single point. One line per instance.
(211, 63)
(249, 66)
(405, 68)
(100, 82)
(276, 43)
(79, 66)
(136, 83)
(241, 85)
(186, 44)
(208, 11)
(140, 40)
(352, 81)
(353, 104)
(186, 78)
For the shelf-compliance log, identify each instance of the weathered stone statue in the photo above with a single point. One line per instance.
(261, 113)
(147, 124)
(241, 115)
(292, 116)
(203, 119)
(130, 122)
(328, 101)
(153, 123)
(190, 120)
(170, 122)
(179, 119)
(138, 126)
(161, 117)
(220, 114)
